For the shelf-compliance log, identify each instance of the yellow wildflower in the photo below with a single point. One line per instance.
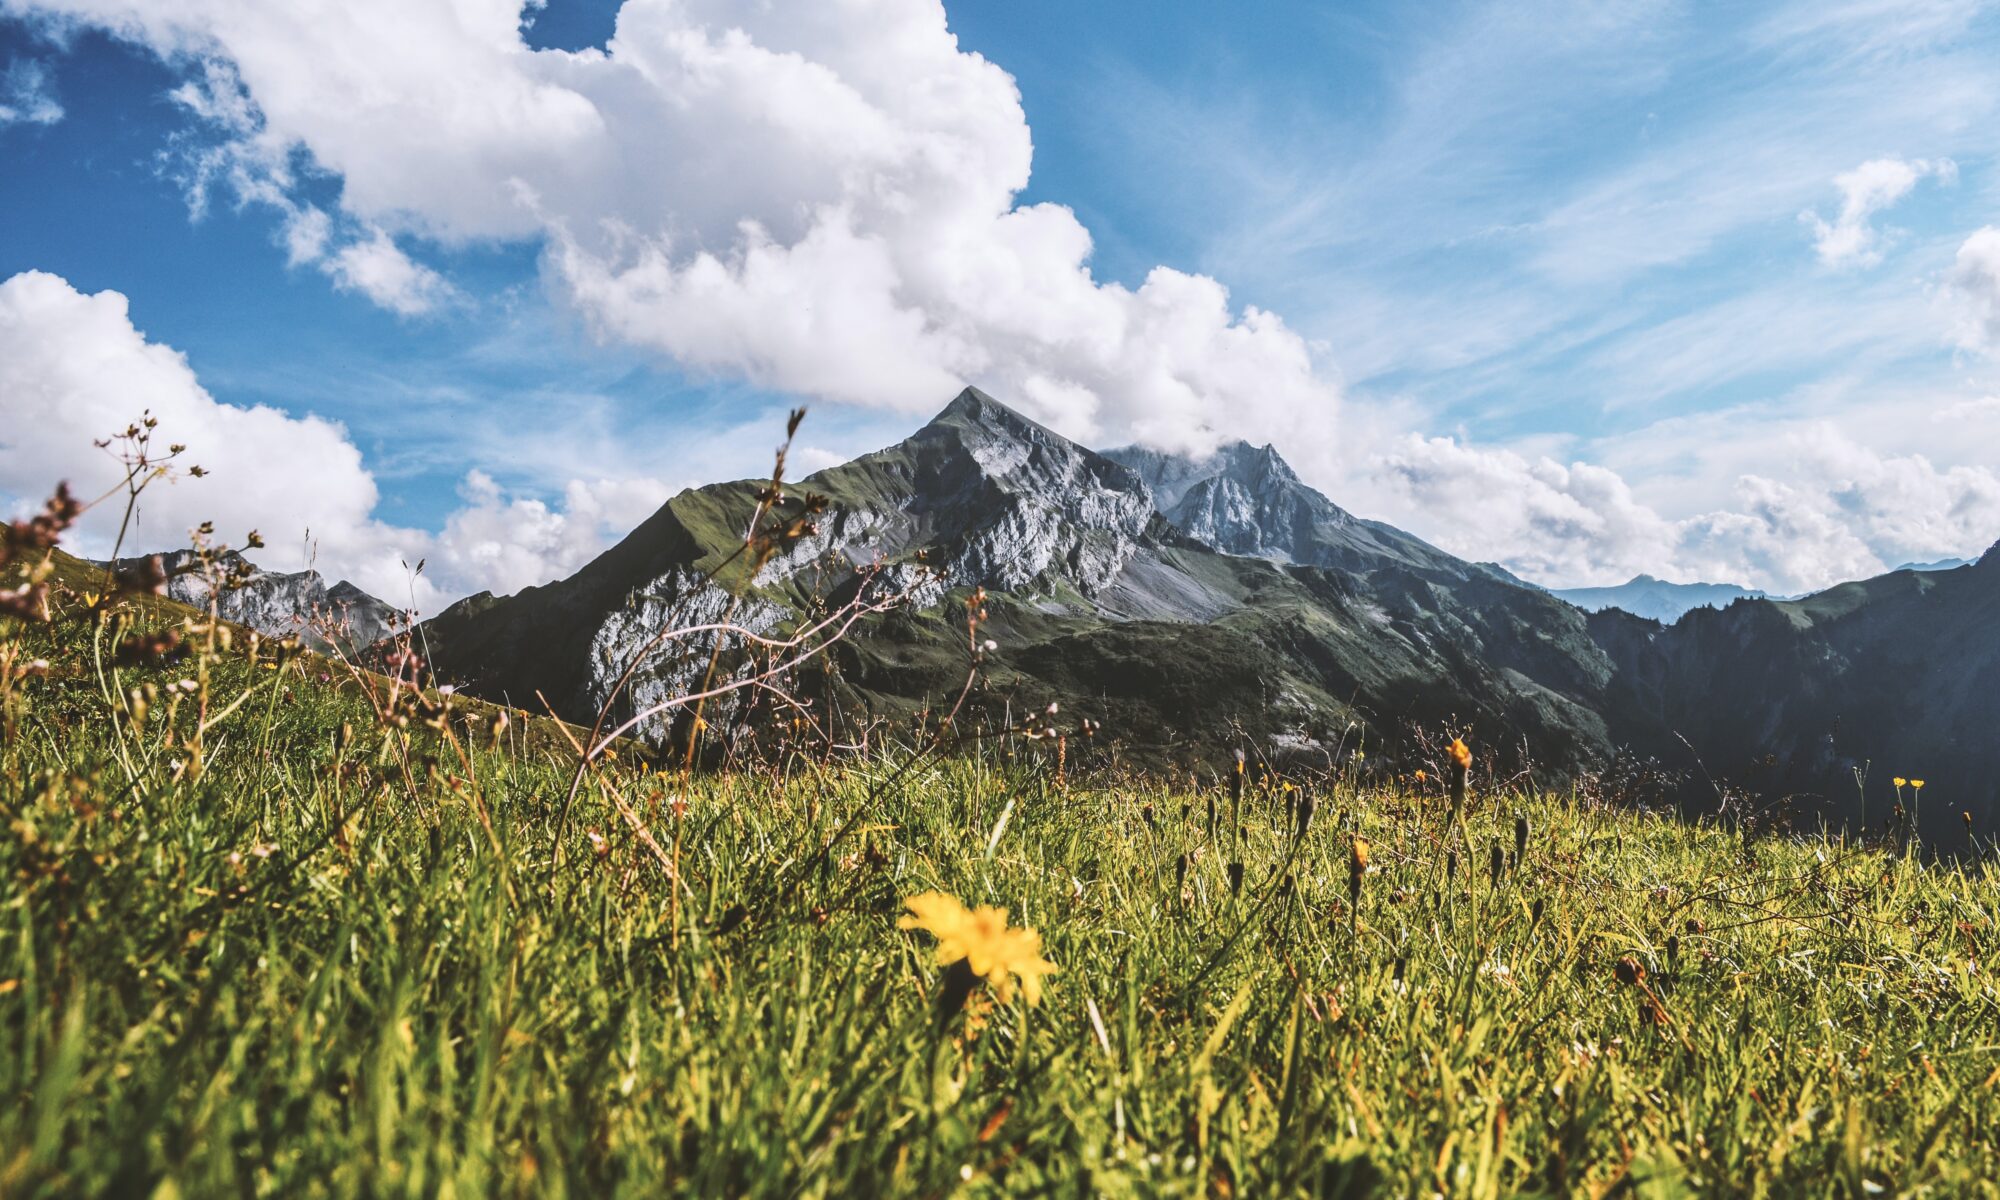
(1902, 782)
(980, 936)
(1918, 784)
(1421, 776)
(1461, 755)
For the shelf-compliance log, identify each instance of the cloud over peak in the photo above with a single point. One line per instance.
(819, 198)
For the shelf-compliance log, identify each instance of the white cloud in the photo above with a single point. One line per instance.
(1974, 283)
(74, 370)
(253, 165)
(1873, 187)
(822, 198)
(378, 269)
(818, 198)
(1546, 521)
(500, 543)
(1842, 511)
(26, 96)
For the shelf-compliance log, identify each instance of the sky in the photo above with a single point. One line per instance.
(1587, 289)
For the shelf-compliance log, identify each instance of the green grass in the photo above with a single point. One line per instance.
(348, 965)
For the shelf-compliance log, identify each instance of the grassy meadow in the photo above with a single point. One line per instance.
(329, 946)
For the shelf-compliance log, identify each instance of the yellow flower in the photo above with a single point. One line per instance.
(1902, 782)
(981, 937)
(1421, 777)
(1918, 784)
(1460, 755)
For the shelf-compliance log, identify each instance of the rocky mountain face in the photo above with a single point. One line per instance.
(1244, 499)
(1656, 599)
(280, 604)
(1337, 634)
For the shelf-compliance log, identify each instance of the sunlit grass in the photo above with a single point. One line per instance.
(341, 957)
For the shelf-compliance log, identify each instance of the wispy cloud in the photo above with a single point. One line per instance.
(27, 95)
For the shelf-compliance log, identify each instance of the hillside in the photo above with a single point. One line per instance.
(344, 956)
(1888, 676)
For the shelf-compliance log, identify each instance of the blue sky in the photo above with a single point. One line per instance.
(1587, 289)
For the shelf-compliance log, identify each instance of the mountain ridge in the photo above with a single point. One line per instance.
(1328, 633)
(1092, 591)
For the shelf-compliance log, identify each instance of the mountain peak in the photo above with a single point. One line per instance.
(973, 407)
(1246, 500)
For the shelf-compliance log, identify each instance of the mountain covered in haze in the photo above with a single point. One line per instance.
(1941, 564)
(1656, 599)
(1191, 604)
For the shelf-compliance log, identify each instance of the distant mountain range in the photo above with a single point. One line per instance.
(1659, 600)
(1656, 599)
(1195, 604)
(1942, 564)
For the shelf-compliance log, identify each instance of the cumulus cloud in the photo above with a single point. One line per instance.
(252, 165)
(378, 269)
(1974, 284)
(1850, 239)
(1843, 511)
(816, 197)
(502, 543)
(823, 198)
(26, 96)
(74, 370)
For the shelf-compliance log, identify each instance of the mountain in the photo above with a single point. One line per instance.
(1246, 500)
(1942, 564)
(1194, 604)
(1888, 676)
(280, 604)
(1656, 599)
(1340, 631)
